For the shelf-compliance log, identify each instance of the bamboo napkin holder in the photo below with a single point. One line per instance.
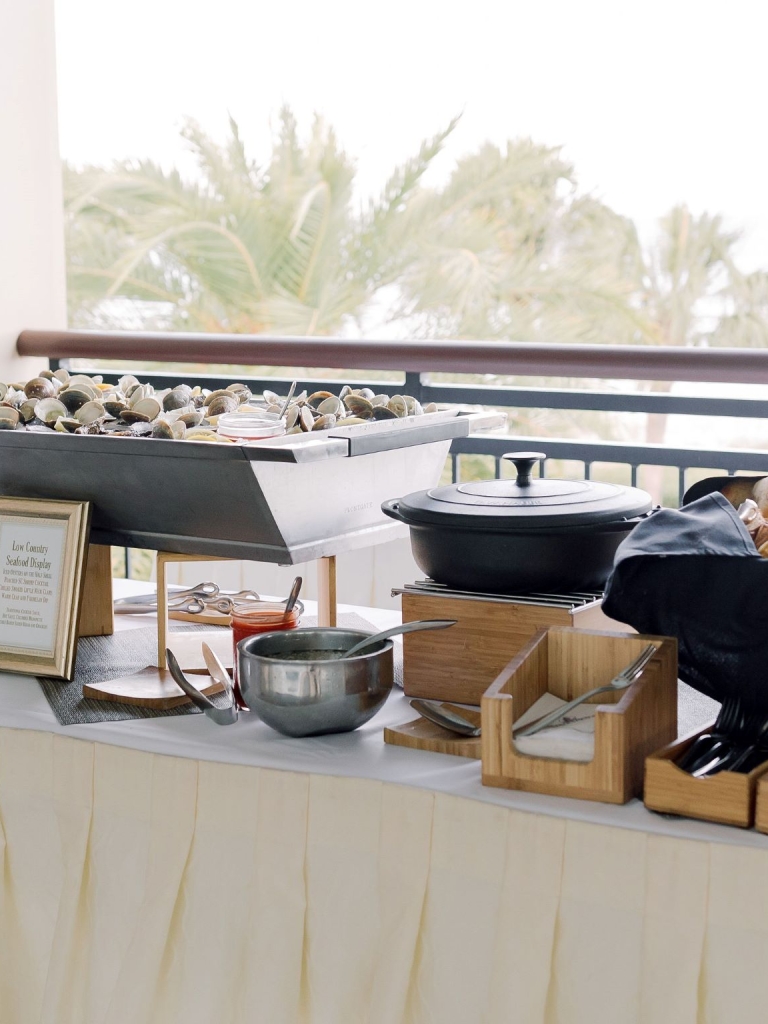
(727, 797)
(629, 724)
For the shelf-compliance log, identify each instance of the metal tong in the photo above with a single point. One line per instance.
(221, 716)
(194, 600)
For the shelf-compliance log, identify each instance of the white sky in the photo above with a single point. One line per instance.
(655, 102)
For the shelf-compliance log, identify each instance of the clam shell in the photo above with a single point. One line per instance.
(67, 425)
(291, 416)
(398, 406)
(317, 397)
(430, 407)
(324, 422)
(62, 375)
(39, 387)
(176, 399)
(212, 395)
(204, 434)
(27, 410)
(3, 391)
(192, 417)
(8, 418)
(138, 394)
(115, 406)
(178, 430)
(48, 410)
(130, 416)
(330, 406)
(382, 412)
(74, 397)
(163, 430)
(379, 400)
(89, 412)
(306, 420)
(358, 405)
(349, 421)
(148, 408)
(224, 402)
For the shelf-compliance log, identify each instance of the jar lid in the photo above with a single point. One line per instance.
(250, 426)
(525, 503)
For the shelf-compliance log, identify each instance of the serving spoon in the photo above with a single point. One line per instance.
(405, 627)
(291, 601)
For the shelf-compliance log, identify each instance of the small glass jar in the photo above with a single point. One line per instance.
(252, 617)
(250, 426)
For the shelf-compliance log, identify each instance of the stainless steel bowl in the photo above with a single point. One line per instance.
(309, 698)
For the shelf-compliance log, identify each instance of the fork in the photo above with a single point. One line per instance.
(624, 679)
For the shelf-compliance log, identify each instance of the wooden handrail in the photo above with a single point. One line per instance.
(606, 362)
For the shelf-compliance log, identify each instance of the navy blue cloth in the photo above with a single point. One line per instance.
(694, 573)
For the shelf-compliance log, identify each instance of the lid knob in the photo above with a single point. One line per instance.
(524, 463)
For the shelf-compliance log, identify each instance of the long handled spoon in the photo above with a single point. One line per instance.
(406, 627)
(288, 398)
(292, 597)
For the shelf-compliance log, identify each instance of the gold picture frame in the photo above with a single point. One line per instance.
(43, 550)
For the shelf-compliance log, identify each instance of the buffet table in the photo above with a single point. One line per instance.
(165, 870)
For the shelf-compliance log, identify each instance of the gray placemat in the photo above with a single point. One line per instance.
(101, 658)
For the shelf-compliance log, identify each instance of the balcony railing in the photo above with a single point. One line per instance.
(415, 361)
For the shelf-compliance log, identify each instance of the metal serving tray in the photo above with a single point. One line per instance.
(288, 500)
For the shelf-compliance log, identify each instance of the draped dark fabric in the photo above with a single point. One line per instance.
(694, 573)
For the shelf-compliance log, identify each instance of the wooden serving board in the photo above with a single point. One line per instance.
(202, 618)
(421, 734)
(151, 688)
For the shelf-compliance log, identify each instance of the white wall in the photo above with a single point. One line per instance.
(32, 275)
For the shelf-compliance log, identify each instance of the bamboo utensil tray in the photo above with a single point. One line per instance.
(629, 724)
(458, 665)
(761, 805)
(727, 798)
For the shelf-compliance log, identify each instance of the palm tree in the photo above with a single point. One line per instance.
(243, 248)
(505, 248)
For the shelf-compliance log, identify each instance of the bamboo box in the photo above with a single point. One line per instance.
(727, 797)
(459, 663)
(629, 724)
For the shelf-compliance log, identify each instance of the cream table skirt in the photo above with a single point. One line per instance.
(169, 872)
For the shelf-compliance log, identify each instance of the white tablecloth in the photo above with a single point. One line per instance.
(253, 878)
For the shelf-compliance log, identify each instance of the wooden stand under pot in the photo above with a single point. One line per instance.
(460, 663)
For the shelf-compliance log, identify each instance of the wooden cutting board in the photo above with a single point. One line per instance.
(151, 688)
(423, 735)
(188, 648)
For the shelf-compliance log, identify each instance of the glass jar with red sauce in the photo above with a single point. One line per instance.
(254, 617)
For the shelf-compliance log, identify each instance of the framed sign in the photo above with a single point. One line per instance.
(43, 546)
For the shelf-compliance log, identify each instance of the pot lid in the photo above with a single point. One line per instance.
(525, 503)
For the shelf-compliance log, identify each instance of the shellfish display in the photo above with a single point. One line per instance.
(81, 404)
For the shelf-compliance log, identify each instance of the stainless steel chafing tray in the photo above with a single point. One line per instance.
(283, 500)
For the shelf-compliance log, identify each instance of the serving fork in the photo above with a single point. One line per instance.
(621, 681)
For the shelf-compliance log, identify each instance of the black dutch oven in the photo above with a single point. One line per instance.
(522, 535)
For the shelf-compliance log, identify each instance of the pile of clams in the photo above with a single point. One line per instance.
(79, 404)
(323, 410)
